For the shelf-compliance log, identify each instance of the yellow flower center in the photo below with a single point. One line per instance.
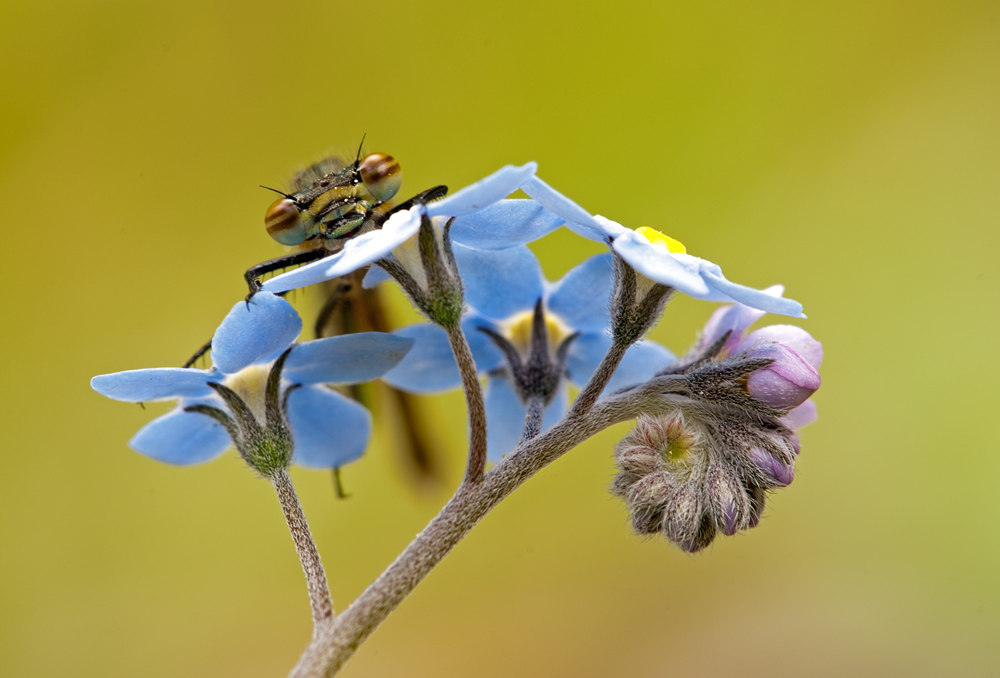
(518, 331)
(658, 239)
(250, 383)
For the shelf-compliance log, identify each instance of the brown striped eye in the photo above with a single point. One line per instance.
(283, 223)
(381, 174)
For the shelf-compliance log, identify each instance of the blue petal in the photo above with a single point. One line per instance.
(640, 363)
(594, 228)
(358, 252)
(182, 438)
(430, 367)
(484, 351)
(484, 192)
(585, 354)
(680, 271)
(581, 298)
(347, 359)
(303, 276)
(500, 283)
(505, 416)
(157, 383)
(748, 296)
(329, 430)
(375, 276)
(255, 334)
(504, 224)
(735, 319)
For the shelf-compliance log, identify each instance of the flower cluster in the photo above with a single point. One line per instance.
(697, 465)
(715, 430)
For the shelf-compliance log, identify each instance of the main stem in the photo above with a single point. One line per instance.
(473, 401)
(319, 591)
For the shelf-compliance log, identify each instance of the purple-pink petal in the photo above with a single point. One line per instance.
(802, 415)
(789, 336)
(785, 383)
(774, 470)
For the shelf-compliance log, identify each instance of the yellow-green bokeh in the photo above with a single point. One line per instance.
(850, 150)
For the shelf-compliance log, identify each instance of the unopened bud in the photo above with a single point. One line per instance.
(774, 471)
(785, 383)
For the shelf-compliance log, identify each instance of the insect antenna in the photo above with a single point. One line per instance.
(357, 159)
(290, 197)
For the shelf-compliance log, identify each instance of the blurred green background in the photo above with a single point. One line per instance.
(850, 150)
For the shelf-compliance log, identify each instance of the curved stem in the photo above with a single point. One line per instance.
(473, 401)
(602, 375)
(337, 642)
(319, 591)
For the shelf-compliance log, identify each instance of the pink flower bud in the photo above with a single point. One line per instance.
(785, 383)
(777, 472)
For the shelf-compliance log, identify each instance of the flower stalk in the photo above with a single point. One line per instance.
(319, 591)
(473, 401)
(337, 642)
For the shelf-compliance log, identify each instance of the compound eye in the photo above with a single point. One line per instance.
(283, 223)
(382, 175)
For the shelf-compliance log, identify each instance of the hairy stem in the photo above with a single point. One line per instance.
(473, 401)
(532, 419)
(336, 643)
(602, 375)
(319, 591)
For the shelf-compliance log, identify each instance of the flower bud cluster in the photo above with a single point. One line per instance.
(698, 470)
(705, 463)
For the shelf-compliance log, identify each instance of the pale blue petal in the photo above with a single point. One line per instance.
(182, 438)
(585, 354)
(347, 359)
(504, 224)
(594, 228)
(375, 276)
(358, 252)
(303, 276)
(484, 351)
(329, 430)
(581, 298)
(679, 271)
(430, 367)
(500, 283)
(157, 383)
(257, 333)
(484, 192)
(641, 361)
(736, 319)
(505, 416)
(759, 299)
(368, 248)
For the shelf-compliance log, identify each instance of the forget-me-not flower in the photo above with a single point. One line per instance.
(657, 257)
(401, 228)
(503, 290)
(328, 430)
